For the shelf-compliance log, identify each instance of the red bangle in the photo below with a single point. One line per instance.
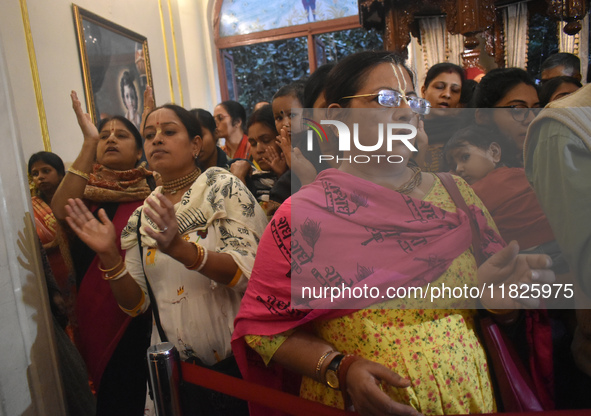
(342, 372)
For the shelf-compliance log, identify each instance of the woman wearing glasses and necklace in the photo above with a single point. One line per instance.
(381, 224)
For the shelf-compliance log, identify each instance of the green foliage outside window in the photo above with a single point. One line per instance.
(543, 42)
(261, 69)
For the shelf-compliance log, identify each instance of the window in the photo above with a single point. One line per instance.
(274, 43)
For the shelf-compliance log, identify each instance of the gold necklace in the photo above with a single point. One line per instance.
(414, 181)
(176, 185)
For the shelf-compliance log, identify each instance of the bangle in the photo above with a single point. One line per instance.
(116, 276)
(138, 309)
(113, 268)
(204, 260)
(79, 173)
(198, 260)
(319, 365)
(236, 278)
(500, 311)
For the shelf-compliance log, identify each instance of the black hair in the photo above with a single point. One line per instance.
(497, 83)
(444, 67)
(236, 111)
(550, 86)
(51, 159)
(128, 125)
(315, 85)
(346, 77)
(188, 119)
(571, 62)
(127, 81)
(263, 115)
(295, 89)
(482, 137)
(205, 119)
(468, 88)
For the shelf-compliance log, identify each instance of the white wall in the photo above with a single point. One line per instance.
(56, 49)
(29, 381)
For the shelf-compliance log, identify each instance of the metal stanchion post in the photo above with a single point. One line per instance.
(165, 377)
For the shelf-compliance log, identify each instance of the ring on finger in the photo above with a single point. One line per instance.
(163, 230)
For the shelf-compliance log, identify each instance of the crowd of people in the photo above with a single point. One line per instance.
(194, 227)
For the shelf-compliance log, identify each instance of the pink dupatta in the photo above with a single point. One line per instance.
(343, 230)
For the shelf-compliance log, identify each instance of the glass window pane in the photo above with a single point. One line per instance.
(543, 42)
(263, 68)
(240, 17)
(337, 45)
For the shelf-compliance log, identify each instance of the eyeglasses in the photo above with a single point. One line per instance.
(391, 98)
(520, 114)
(220, 117)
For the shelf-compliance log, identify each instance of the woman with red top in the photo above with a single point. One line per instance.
(108, 176)
(230, 119)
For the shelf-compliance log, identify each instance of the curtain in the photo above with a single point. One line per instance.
(438, 45)
(516, 39)
(455, 47)
(433, 37)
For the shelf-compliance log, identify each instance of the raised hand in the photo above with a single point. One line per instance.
(149, 105)
(302, 167)
(98, 234)
(284, 142)
(161, 212)
(88, 128)
(276, 160)
(509, 267)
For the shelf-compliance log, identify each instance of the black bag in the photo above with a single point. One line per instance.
(197, 400)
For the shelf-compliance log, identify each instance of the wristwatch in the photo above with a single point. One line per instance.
(332, 372)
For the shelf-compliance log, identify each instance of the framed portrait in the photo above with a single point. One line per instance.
(115, 67)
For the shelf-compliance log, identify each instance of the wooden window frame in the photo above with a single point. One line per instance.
(308, 30)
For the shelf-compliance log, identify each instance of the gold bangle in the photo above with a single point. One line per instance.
(500, 311)
(116, 276)
(79, 173)
(319, 364)
(236, 278)
(204, 260)
(199, 258)
(113, 268)
(135, 311)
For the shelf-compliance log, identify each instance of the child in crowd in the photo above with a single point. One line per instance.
(270, 184)
(489, 164)
(287, 110)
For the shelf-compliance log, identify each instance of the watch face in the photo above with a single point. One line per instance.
(332, 379)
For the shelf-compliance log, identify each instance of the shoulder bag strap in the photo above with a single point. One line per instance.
(452, 189)
(163, 336)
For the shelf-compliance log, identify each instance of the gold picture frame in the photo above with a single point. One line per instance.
(115, 67)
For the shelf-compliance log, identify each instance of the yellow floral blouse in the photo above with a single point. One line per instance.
(436, 349)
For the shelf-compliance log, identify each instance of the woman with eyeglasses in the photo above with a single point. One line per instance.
(513, 91)
(230, 120)
(376, 222)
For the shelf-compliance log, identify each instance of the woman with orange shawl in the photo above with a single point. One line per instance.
(105, 174)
